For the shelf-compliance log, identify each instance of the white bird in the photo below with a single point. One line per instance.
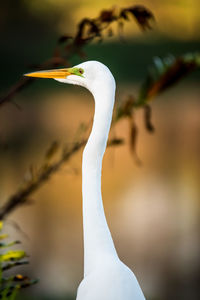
(105, 276)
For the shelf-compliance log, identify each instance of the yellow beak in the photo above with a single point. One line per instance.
(56, 73)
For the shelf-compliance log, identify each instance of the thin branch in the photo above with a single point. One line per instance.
(87, 30)
(46, 171)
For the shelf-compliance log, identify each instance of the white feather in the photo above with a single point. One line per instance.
(105, 276)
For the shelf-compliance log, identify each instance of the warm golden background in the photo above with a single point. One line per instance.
(153, 210)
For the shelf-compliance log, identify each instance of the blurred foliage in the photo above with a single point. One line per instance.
(164, 73)
(183, 14)
(10, 285)
(88, 29)
(161, 75)
(67, 46)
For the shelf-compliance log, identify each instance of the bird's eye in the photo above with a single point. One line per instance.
(81, 71)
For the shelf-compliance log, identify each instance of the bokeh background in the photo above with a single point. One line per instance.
(153, 210)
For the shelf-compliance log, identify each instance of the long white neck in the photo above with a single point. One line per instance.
(98, 242)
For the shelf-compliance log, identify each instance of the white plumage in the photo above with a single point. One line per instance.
(105, 276)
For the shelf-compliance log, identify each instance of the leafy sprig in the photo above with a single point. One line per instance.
(10, 285)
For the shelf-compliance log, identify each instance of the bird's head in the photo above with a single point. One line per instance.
(90, 74)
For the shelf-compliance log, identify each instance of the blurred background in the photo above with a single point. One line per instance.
(153, 210)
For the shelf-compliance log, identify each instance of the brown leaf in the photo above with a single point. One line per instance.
(107, 16)
(142, 15)
(147, 118)
(94, 29)
(177, 71)
(87, 28)
(115, 142)
(133, 139)
(124, 14)
(80, 32)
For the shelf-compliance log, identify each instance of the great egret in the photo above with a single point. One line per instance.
(105, 276)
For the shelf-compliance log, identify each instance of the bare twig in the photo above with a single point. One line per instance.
(21, 196)
(47, 170)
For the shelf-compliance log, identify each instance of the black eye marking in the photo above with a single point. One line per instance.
(81, 71)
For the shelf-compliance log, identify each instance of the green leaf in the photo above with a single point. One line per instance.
(9, 292)
(3, 236)
(3, 245)
(14, 293)
(1, 225)
(12, 255)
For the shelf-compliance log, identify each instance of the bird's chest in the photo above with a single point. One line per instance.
(109, 283)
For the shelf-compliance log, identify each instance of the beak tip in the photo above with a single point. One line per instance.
(27, 75)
